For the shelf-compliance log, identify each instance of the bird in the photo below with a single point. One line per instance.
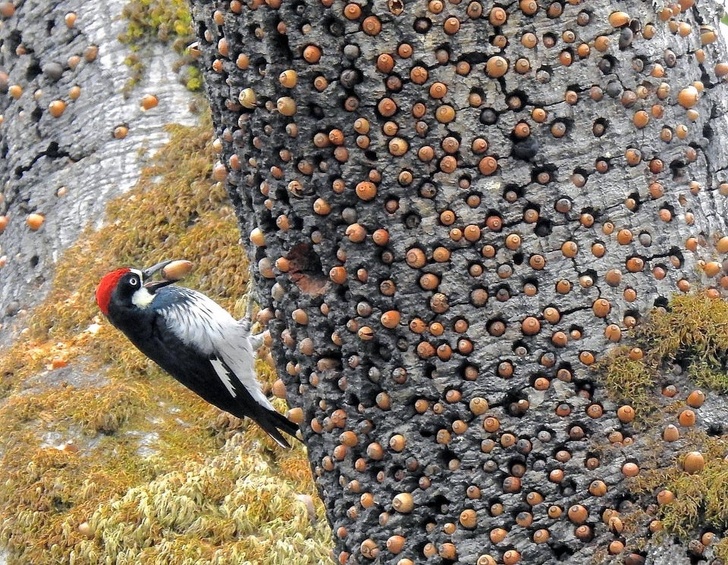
(194, 339)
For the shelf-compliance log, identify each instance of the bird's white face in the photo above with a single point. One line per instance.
(141, 297)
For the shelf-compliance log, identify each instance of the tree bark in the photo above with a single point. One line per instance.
(463, 205)
(65, 167)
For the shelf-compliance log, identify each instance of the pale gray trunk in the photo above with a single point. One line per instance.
(66, 168)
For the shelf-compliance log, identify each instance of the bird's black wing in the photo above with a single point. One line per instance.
(210, 378)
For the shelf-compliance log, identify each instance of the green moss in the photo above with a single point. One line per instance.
(701, 499)
(150, 462)
(165, 21)
(628, 379)
(692, 331)
(694, 325)
(708, 375)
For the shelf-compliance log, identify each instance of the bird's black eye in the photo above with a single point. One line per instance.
(133, 281)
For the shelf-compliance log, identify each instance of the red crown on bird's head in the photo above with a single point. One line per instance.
(106, 288)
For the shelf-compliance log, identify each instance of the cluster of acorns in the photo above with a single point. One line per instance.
(454, 206)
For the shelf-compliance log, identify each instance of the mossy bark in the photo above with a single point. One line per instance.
(519, 184)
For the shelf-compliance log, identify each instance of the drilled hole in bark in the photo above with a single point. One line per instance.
(525, 149)
(422, 25)
(306, 270)
(599, 128)
(543, 228)
(516, 404)
(488, 116)
(562, 552)
(538, 464)
(567, 487)
(512, 193)
(520, 349)
(715, 430)
(411, 221)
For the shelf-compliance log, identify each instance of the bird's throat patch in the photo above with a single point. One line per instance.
(142, 298)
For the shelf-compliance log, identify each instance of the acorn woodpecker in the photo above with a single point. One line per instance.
(194, 339)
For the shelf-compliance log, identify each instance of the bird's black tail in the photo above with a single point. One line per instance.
(273, 423)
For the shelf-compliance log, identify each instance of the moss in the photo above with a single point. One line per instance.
(692, 332)
(693, 325)
(628, 380)
(161, 21)
(701, 499)
(708, 375)
(94, 432)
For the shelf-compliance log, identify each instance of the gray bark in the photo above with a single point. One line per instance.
(76, 152)
(347, 370)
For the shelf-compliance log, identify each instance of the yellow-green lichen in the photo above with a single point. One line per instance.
(107, 459)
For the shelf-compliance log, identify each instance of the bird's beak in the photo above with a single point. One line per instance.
(149, 272)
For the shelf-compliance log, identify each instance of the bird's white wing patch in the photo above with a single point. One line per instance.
(224, 375)
(237, 352)
(202, 323)
(198, 321)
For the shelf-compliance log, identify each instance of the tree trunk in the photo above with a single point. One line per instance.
(462, 205)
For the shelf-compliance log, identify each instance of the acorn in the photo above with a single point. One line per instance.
(295, 415)
(149, 101)
(496, 66)
(288, 78)
(247, 98)
(177, 270)
(688, 97)
(687, 418)
(626, 413)
(257, 237)
(707, 34)
(695, 399)
(694, 462)
(403, 503)
(56, 108)
(286, 106)
(468, 518)
(671, 433)
(630, 469)
(35, 221)
(120, 132)
(578, 514)
(665, 496)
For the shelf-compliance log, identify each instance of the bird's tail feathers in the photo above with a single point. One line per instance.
(273, 422)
